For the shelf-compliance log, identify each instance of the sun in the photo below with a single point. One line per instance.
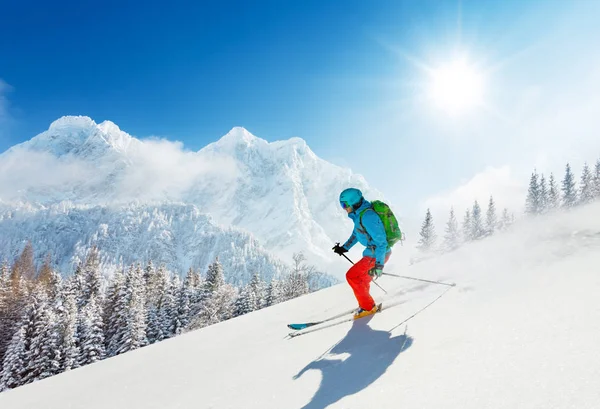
(456, 87)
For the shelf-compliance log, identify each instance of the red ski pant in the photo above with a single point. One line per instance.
(359, 279)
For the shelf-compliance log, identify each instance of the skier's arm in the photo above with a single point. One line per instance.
(350, 242)
(374, 227)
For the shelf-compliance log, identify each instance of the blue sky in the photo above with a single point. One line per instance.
(349, 77)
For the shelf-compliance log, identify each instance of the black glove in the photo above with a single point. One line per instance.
(339, 249)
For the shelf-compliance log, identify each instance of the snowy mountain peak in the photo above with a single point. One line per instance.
(79, 135)
(70, 122)
(238, 137)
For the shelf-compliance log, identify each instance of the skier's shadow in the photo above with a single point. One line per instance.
(371, 353)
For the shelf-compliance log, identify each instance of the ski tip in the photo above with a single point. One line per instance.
(299, 326)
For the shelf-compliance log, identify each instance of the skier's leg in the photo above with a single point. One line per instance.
(360, 281)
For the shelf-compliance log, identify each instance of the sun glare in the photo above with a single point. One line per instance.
(456, 87)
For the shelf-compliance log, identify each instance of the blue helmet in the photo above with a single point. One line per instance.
(351, 197)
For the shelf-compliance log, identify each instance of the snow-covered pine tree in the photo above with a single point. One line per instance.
(273, 293)
(491, 220)
(467, 228)
(251, 298)
(451, 235)
(92, 335)
(67, 324)
(12, 301)
(427, 233)
(113, 311)
(553, 195)
(183, 301)
(597, 180)
(167, 313)
(477, 228)
(43, 357)
(505, 221)
(14, 363)
(569, 189)
(532, 202)
(133, 335)
(543, 205)
(214, 277)
(159, 305)
(218, 299)
(586, 193)
(26, 359)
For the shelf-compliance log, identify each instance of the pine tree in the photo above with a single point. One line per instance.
(45, 275)
(427, 233)
(42, 357)
(14, 364)
(92, 334)
(477, 229)
(505, 221)
(597, 180)
(90, 277)
(491, 220)
(273, 293)
(553, 195)
(586, 193)
(113, 311)
(160, 304)
(467, 229)
(214, 277)
(184, 296)
(133, 334)
(24, 266)
(544, 195)
(568, 189)
(30, 355)
(451, 236)
(532, 204)
(12, 302)
(67, 325)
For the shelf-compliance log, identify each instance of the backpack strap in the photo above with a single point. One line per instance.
(360, 216)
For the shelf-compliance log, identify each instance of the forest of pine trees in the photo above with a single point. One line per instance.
(50, 324)
(544, 195)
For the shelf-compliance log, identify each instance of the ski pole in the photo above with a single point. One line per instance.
(408, 278)
(420, 279)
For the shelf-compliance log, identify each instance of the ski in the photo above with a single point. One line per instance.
(380, 308)
(303, 325)
(310, 324)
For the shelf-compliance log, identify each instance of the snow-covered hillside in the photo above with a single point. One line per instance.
(177, 235)
(519, 330)
(281, 192)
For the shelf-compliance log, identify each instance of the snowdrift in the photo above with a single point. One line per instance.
(519, 330)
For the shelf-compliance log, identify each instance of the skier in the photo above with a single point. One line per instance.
(369, 231)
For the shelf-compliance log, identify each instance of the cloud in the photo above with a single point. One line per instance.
(40, 172)
(507, 190)
(161, 168)
(152, 170)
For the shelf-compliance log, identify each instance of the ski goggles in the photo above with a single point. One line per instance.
(345, 205)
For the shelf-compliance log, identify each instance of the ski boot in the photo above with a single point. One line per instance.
(363, 313)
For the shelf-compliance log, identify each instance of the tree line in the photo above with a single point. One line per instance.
(544, 195)
(50, 324)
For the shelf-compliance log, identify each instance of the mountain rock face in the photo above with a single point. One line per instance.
(279, 192)
(175, 235)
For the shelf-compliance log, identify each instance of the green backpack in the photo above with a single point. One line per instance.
(392, 230)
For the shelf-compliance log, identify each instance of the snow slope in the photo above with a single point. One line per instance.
(520, 330)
